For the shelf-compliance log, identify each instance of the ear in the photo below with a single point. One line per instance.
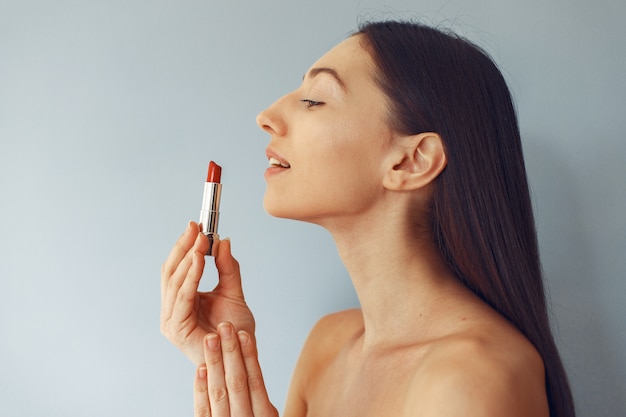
(415, 162)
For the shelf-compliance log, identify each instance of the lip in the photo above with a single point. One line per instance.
(272, 154)
(274, 170)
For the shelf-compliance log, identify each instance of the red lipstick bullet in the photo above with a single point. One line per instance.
(209, 215)
(215, 173)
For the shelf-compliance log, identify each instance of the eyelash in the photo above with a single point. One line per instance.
(311, 103)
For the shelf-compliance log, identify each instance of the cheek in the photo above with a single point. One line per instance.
(349, 149)
(348, 178)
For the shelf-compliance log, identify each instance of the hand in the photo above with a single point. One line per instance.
(231, 383)
(187, 315)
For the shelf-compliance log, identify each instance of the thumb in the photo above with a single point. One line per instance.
(228, 271)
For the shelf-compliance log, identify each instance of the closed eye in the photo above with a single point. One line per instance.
(311, 103)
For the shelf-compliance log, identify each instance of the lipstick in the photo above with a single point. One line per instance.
(209, 215)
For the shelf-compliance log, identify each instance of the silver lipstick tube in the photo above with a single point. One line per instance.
(210, 213)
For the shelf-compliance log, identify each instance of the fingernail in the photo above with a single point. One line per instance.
(212, 341)
(202, 372)
(225, 330)
(243, 337)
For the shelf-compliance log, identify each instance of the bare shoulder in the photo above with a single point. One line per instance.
(330, 334)
(326, 338)
(340, 324)
(479, 374)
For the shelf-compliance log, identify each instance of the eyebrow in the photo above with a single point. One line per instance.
(319, 70)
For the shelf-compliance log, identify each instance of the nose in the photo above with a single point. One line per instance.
(272, 119)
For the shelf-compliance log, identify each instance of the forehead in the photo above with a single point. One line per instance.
(349, 59)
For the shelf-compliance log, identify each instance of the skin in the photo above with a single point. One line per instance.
(421, 344)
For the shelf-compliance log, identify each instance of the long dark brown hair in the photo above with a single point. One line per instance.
(481, 214)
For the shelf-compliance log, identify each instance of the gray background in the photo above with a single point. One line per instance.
(110, 111)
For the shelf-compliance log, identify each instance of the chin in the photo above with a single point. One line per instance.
(274, 209)
(285, 209)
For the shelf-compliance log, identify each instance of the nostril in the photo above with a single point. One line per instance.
(267, 128)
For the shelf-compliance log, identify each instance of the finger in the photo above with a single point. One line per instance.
(228, 270)
(216, 385)
(178, 252)
(235, 371)
(189, 284)
(201, 407)
(188, 271)
(180, 248)
(199, 244)
(186, 297)
(260, 402)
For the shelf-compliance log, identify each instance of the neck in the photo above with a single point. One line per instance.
(400, 279)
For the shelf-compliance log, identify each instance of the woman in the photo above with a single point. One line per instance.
(402, 142)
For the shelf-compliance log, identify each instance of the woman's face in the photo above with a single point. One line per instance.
(328, 140)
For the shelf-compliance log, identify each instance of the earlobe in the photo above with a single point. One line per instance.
(417, 161)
